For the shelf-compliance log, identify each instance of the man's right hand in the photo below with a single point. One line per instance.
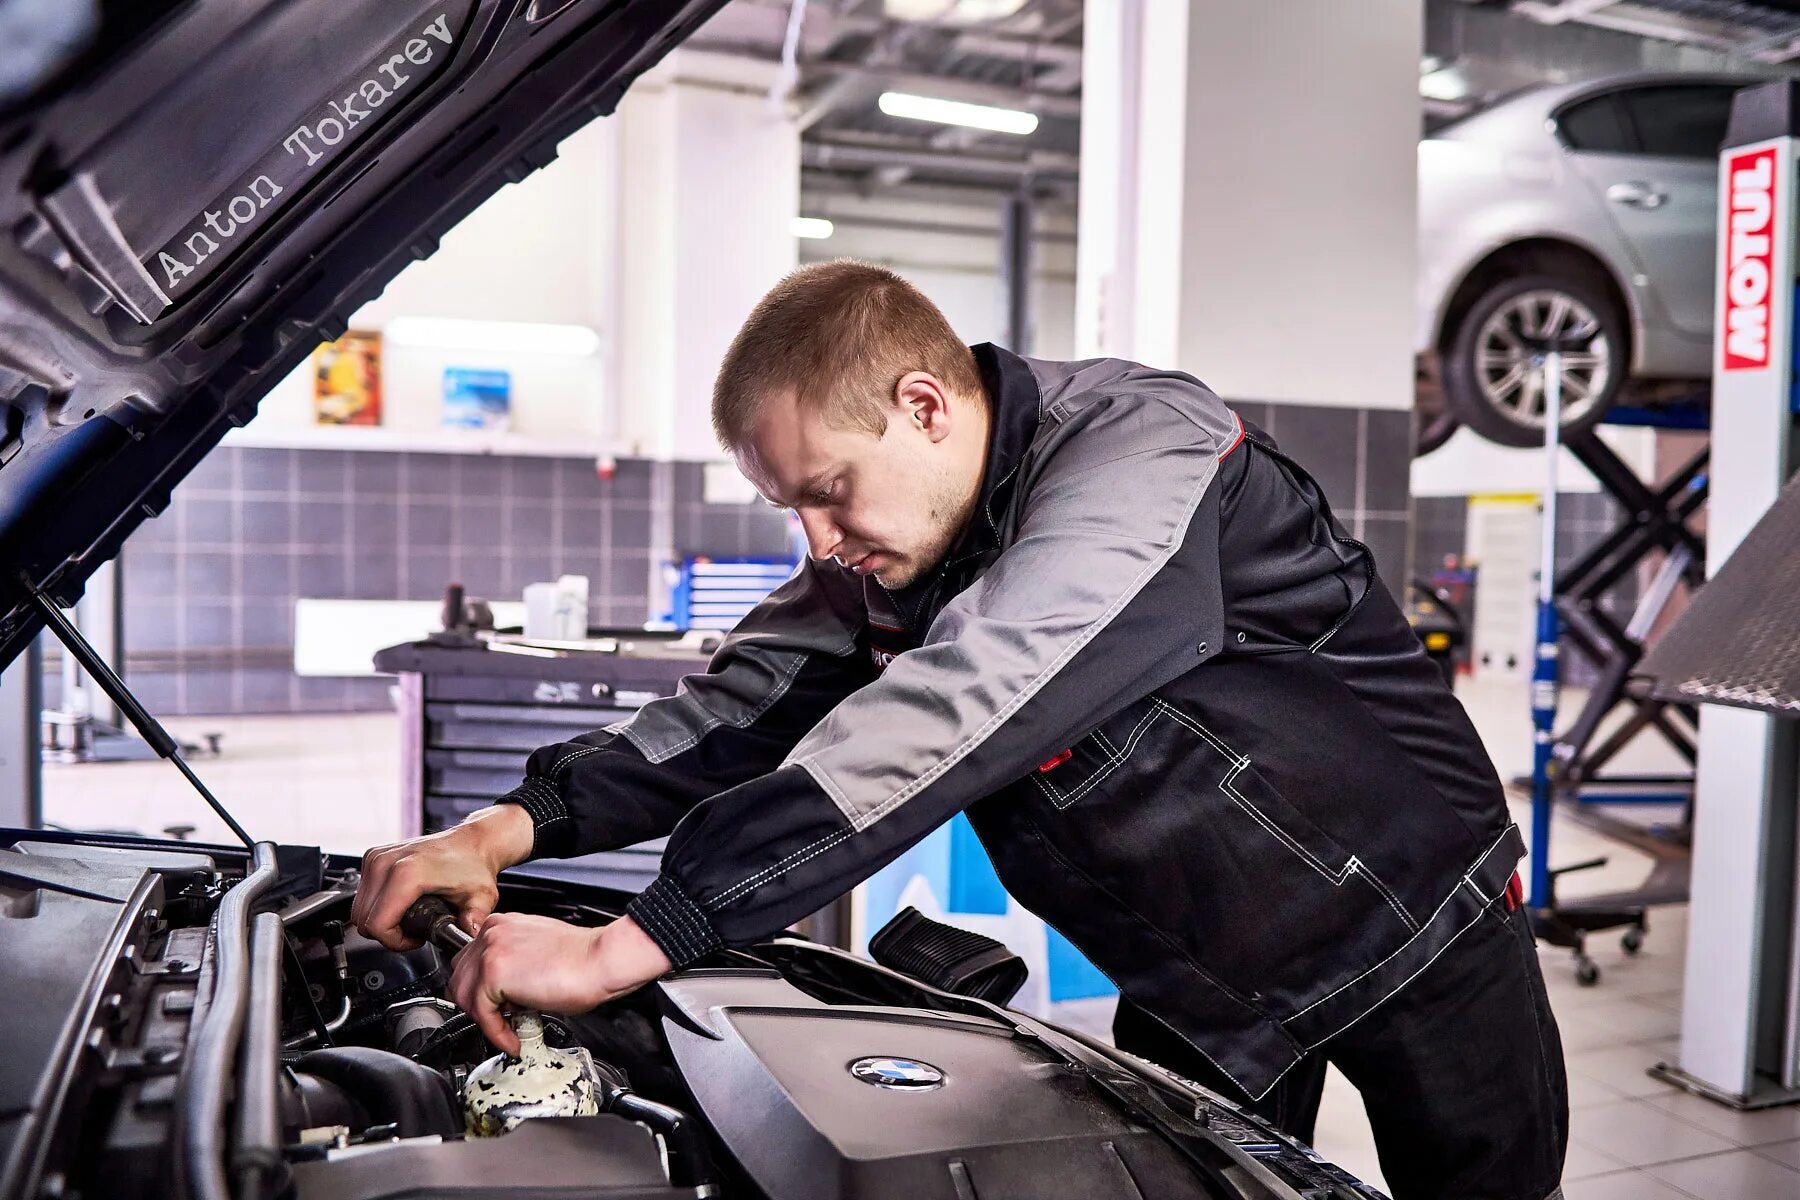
(460, 864)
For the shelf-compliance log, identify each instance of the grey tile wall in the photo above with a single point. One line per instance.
(210, 585)
(1439, 530)
(745, 530)
(1583, 519)
(1362, 460)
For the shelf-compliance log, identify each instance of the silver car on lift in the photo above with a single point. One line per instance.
(1583, 211)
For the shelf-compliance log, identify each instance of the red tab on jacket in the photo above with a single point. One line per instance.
(1056, 762)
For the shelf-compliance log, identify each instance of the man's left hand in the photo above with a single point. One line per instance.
(536, 962)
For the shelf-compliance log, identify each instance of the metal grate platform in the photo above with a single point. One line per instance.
(1738, 642)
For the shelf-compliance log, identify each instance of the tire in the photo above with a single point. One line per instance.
(1490, 383)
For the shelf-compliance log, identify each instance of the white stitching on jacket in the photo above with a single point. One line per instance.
(1240, 763)
(786, 864)
(1374, 881)
(999, 717)
(689, 937)
(743, 722)
(690, 921)
(1112, 763)
(1365, 1012)
(1473, 867)
(570, 757)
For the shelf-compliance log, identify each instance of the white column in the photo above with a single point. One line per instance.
(1247, 194)
(707, 180)
(1128, 237)
(1733, 991)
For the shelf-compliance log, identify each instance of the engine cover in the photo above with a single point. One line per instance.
(821, 1101)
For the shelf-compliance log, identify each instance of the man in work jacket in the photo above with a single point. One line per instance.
(1087, 605)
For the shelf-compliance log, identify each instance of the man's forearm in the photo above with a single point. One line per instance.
(502, 834)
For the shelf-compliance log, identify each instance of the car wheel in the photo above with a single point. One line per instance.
(1494, 381)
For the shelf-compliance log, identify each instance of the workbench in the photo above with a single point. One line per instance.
(471, 712)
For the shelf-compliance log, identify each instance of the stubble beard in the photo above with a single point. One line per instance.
(947, 514)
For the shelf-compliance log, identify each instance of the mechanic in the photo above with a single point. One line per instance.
(1091, 607)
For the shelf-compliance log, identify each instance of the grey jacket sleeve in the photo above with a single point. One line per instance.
(785, 666)
(1110, 590)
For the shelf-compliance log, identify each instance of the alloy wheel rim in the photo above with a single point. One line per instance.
(1511, 375)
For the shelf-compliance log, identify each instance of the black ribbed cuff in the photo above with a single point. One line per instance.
(674, 922)
(552, 828)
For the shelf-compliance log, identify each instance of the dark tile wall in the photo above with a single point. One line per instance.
(1583, 519)
(1362, 459)
(1440, 528)
(210, 585)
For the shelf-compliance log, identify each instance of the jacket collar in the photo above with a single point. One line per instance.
(1014, 408)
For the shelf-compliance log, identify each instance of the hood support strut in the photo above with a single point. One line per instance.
(115, 689)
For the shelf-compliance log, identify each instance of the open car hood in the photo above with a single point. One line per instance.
(195, 194)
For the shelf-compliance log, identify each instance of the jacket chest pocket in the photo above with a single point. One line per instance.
(1153, 752)
(1154, 786)
(1073, 775)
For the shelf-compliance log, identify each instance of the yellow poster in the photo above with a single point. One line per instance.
(347, 380)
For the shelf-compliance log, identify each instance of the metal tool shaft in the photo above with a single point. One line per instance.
(431, 919)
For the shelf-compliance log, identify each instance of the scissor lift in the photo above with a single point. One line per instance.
(1657, 519)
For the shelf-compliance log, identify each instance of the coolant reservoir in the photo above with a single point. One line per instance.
(543, 1081)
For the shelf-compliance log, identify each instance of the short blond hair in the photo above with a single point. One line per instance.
(840, 335)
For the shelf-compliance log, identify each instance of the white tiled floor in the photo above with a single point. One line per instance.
(331, 781)
(1631, 1136)
(334, 781)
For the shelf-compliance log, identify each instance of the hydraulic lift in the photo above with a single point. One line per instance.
(1737, 647)
(1657, 519)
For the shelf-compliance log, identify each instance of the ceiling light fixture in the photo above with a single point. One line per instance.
(810, 227)
(957, 112)
(504, 337)
(952, 12)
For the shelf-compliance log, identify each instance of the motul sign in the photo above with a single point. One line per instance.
(1749, 202)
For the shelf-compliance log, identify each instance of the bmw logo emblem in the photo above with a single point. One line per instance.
(898, 1074)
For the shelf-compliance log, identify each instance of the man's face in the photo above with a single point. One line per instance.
(888, 506)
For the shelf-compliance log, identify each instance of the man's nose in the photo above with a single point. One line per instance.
(822, 537)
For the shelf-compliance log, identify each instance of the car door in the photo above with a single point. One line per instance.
(1661, 192)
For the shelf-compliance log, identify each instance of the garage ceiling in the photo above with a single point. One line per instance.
(1026, 55)
(1016, 54)
(1766, 31)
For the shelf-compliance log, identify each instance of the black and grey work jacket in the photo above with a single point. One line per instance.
(1191, 728)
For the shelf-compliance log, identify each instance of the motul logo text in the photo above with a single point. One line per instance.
(1749, 251)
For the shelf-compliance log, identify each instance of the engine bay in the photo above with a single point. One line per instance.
(206, 1023)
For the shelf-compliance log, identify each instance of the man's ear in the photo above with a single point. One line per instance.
(924, 402)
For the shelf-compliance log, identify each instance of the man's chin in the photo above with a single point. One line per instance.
(900, 575)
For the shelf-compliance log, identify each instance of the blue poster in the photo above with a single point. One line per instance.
(477, 399)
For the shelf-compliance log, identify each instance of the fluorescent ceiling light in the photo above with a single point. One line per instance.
(503, 337)
(956, 112)
(810, 227)
(955, 12)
